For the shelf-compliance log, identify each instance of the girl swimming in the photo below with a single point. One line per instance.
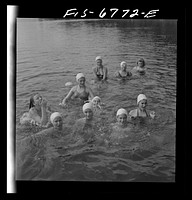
(100, 71)
(80, 91)
(141, 111)
(38, 111)
(123, 73)
(122, 127)
(140, 68)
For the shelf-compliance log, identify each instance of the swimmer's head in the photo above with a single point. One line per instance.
(121, 111)
(56, 120)
(123, 65)
(79, 75)
(80, 78)
(142, 101)
(35, 100)
(121, 116)
(88, 110)
(98, 59)
(96, 100)
(141, 62)
(141, 97)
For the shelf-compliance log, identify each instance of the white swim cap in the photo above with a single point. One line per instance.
(96, 97)
(121, 111)
(98, 58)
(141, 97)
(87, 106)
(123, 62)
(79, 75)
(54, 115)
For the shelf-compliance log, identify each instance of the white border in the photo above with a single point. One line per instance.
(11, 14)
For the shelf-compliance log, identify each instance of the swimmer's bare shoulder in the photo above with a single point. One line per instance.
(133, 113)
(74, 88)
(32, 110)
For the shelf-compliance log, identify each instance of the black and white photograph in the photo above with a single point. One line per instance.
(96, 97)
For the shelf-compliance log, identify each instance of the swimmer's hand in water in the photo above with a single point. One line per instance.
(34, 123)
(152, 114)
(43, 103)
(63, 105)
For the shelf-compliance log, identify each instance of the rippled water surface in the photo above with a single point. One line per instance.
(51, 52)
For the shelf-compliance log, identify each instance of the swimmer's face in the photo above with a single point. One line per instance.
(81, 81)
(99, 62)
(140, 63)
(143, 104)
(37, 99)
(57, 122)
(124, 66)
(96, 101)
(122, 119)
(88, 114)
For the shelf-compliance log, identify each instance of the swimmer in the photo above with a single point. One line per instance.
(97, 105)
(55, 127)
(100, 71)
(122, 119)
(140, 68)
(88, 112)
(86, 126)
(123, 73)
(38, 111)
(80, 91)
(141, 110)
(96, 101)
(56, 120)
(122, 127)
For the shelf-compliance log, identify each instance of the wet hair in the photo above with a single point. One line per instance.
(141, 60)
(31, 101)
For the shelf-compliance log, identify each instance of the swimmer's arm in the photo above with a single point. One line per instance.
(95, 71)
(69, 95)
(44, 117)
(49, 109)
(91, 96)
(105, 73)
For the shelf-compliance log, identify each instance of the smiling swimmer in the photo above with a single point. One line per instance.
(80, 91)
(141, 111)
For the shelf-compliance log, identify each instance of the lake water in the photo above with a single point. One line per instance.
(51, 53)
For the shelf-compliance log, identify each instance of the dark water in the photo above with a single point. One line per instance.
(51, 52)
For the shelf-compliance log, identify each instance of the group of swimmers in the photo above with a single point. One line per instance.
(39, 112)
(101, 72)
